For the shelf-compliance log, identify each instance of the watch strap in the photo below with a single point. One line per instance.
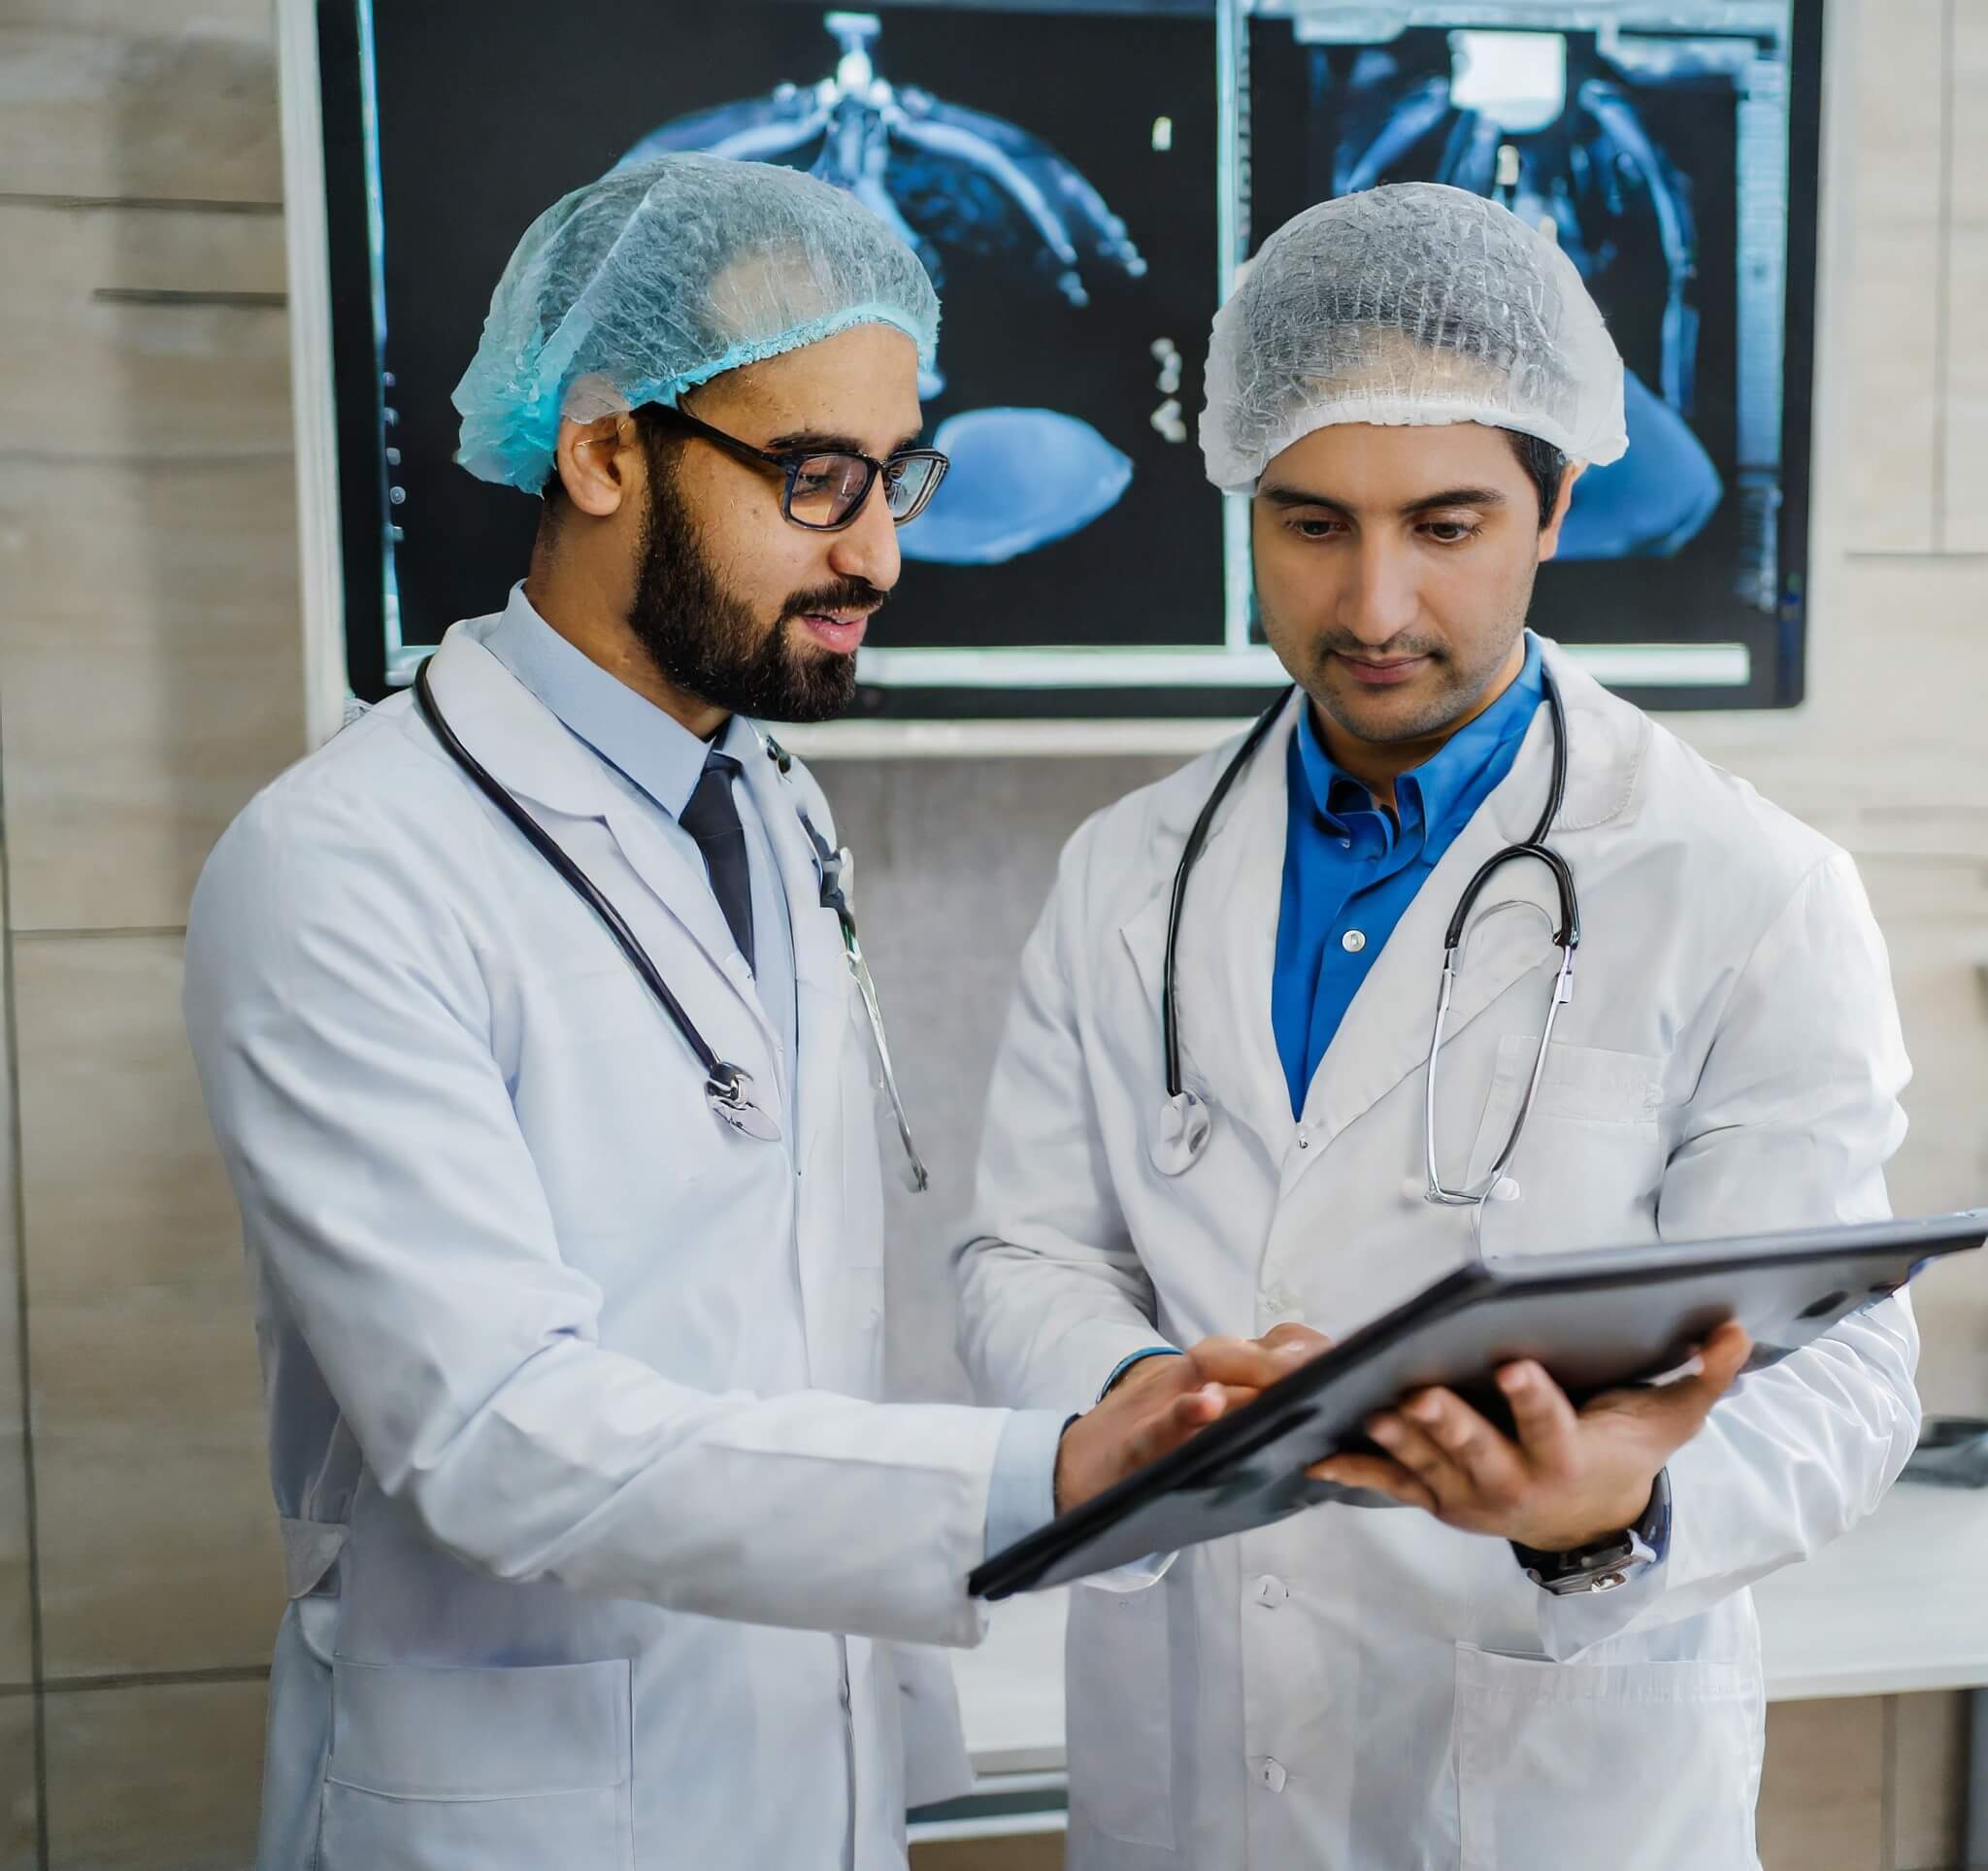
(1606, 1563)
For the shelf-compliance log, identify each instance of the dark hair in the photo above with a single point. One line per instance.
(658, 443)
(1547, 465)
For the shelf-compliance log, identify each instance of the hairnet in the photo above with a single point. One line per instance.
(657, 277)
(1416, 304)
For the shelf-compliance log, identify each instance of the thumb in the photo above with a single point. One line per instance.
(1678, 1409)
(1722, 1357)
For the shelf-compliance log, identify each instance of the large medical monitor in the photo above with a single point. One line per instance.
(1082, 181)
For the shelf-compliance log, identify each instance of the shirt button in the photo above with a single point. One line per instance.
(1352, 941)
(1346, 844)
(1271, 1591)
(1270, 1774)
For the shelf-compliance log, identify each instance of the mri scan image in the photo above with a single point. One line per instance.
(1082, 179)
(951, 180)
(1653, 143)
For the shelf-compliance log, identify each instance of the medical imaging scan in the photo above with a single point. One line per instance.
(1653, 143)
(951, 180)
(1080, 179)
(1064, 207)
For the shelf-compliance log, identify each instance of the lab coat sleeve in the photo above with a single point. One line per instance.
(1796, 1113)
(340, 1023)
(1051, 1293)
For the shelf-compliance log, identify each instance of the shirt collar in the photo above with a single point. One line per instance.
(1427, 794)
(654, 749)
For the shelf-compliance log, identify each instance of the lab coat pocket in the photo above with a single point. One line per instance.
(1660, 1760)
(1591, 1156)
(433, 1769)
(1119, 1713)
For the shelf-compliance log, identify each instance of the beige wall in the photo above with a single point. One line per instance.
(150, 656)
(149, 680)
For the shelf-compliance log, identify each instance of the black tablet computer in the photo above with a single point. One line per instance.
(1595, 1320)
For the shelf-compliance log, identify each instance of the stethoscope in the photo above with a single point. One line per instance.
(1185, 1120)
(727, 1087)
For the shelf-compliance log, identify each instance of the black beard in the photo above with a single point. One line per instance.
(707, 643)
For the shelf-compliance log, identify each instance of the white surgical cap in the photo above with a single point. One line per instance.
(1413, 304)
(657, 277)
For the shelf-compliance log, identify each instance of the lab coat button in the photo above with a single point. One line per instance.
(1304, 1138)
(1352, 941)
(1270, 1592)
(1269, 1775)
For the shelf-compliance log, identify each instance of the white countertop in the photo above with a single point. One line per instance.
(1900, 1604)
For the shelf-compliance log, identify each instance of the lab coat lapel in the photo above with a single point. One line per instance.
(820, 970)
(1227, 948)
(528, 748)
(1386, 1033)
(681, 884)
(815, 1107)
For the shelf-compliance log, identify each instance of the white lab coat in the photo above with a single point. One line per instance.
(1370, 1691)
(564, 1376)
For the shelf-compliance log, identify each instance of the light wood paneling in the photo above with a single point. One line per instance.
(146, 1779)
(150, 676)
(1966, 510)
(157, 1539)
(182, 114)
(1821, 1796)
(1894, 309)
(195, 364)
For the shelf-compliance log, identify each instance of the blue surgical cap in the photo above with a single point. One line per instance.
(657, 277)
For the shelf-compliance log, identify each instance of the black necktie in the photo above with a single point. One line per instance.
(713, 820)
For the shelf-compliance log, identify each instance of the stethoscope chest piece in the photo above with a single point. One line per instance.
(729, 1092)
(1185, 1125)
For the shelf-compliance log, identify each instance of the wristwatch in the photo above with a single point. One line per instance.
(1608, 1562)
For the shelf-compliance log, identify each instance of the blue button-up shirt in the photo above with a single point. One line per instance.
(664, 760)
(1351, 869)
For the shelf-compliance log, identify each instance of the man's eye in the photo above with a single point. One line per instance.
(1449, 532)
(1315, 529)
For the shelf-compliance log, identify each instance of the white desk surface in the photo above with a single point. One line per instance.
(1900, 1604)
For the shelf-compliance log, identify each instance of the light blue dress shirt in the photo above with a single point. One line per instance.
(663, 761)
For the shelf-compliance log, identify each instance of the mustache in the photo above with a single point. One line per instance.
(847, 595)
(1398, 651)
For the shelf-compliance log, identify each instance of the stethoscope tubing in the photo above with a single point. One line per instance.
(575, 878)
(727, 1087)
(1534, 848)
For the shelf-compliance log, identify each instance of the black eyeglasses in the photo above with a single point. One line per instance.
(825, 489)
